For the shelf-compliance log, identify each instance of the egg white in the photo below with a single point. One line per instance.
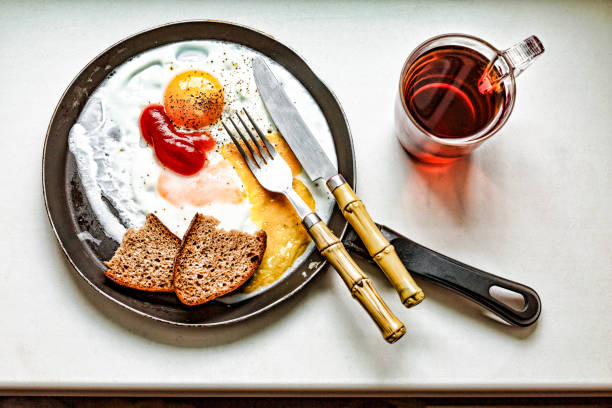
(116, 164)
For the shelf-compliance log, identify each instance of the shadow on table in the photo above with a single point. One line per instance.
(448, 183)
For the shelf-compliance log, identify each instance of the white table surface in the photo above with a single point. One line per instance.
(532, 204)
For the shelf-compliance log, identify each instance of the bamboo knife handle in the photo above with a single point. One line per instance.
(378, 246)
(358, 283)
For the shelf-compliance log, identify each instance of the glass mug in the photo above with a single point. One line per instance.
(455, 92)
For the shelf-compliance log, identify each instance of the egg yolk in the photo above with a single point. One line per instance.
(194, 99)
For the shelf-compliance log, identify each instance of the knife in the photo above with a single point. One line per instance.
(318, 166)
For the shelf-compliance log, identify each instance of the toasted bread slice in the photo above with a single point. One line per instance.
(213, 262)
(145, 258)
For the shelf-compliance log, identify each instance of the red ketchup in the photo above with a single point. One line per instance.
(183, 153)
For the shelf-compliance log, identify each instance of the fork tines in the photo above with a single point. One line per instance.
(260, 154)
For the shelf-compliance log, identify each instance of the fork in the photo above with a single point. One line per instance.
(274, 174)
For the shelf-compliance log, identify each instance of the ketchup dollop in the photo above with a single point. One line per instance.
(183, 153)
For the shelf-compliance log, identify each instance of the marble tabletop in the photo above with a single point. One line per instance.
(533, 204)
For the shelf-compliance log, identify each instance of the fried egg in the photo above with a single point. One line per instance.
(199, 84)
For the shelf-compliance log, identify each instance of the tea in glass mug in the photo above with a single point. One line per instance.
(455, 92)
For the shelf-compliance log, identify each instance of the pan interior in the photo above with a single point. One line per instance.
(71, 214)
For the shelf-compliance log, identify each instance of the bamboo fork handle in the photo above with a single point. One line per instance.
(378, 246)
(358, 283)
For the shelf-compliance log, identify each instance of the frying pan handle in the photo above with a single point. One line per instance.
(466, 280)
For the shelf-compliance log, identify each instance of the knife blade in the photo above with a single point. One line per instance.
(291, 125)
(318, 166)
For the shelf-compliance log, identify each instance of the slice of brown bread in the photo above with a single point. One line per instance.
(145, 258)
(213, 261)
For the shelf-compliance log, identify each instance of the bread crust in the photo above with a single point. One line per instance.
(261, 237)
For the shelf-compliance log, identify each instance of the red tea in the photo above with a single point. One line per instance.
(441, 92)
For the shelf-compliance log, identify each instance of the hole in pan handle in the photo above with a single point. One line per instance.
(466, 280)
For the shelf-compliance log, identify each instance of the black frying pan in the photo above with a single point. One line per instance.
(69, 211)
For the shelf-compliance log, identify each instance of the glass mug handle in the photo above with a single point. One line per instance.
(519, 57)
